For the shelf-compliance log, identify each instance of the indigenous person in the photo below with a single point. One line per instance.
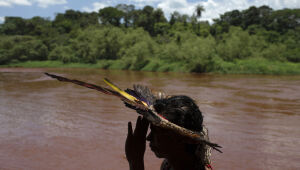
(180, 110)
(178, 155)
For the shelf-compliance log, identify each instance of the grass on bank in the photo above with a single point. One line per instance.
(259, 66)
(51, 64)
(246, 66)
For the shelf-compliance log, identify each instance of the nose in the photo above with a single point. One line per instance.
(149, 137)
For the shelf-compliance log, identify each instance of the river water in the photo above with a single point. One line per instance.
(46, 124)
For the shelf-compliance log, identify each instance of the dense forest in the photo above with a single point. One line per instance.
(254, 40)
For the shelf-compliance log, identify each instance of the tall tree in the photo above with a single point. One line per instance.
(198, 10)
(234, 17)
(250, 17)
(128, 11)
(145, 18)
(13, 26)
(159, 15)
(110, 15)
(175, 17)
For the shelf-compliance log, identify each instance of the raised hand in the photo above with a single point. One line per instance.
(135, 145)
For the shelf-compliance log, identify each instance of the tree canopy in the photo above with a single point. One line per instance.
(145, 39)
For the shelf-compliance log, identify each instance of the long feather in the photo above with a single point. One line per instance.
(134, 101)
(123, 93)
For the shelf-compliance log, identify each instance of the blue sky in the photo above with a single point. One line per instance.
(48, 8)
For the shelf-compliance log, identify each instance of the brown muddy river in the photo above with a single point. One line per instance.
(46, 124)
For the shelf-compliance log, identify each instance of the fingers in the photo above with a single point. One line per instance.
(145, 121)
(129, 129)
(138, 125)
(145, 125)
(141, 127)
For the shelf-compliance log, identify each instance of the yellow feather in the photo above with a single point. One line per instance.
(123, 93)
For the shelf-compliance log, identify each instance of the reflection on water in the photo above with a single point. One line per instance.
(46, 124)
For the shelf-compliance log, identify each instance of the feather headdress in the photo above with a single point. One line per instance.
(141, 98)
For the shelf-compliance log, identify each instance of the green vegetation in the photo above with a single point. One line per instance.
(255, 40)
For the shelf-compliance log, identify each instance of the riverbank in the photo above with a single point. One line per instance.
(246, 66)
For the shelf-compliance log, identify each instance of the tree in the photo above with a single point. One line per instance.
(175, 17)
(159, 15)
(145, 18)
(250, 17)
(13, 26)
(283, 20)
(127, 13)
(111, 15)
(198, 10)
(88, 19)
(37, 26)
(232, 17)
(265, 15)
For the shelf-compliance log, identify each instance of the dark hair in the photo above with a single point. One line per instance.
(180, 110)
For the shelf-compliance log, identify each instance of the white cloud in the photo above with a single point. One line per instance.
(102, 4)
(2, 19)
(96, 7)
(40, 3)
(213, 8)
(181, 6)
(9, 3)
(4, 3)
(67, 7)
(142, 3)
(145, 1)
(21, 2)
(279, 4)
(46, 3)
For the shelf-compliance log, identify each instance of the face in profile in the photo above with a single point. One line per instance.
(182, 111)
(162, 142)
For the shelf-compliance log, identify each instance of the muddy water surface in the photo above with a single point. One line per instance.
(46, 124)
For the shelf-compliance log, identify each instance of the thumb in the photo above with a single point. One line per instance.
(129, 129)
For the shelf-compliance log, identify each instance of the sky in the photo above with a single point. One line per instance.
(213, 8)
